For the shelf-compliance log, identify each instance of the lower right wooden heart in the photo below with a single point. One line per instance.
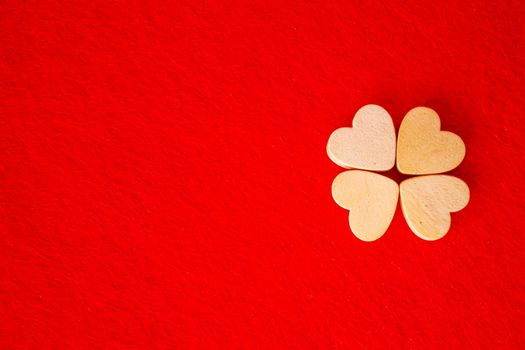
(427, 202)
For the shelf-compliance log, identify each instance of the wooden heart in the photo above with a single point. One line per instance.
(369, 145)
(371, 199)
(422, 148)
(427, 202)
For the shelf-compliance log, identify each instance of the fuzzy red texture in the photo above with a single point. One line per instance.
(164, 181)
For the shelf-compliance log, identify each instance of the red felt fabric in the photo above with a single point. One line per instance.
(164, 182)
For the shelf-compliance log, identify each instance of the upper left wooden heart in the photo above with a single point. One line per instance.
(370, 144)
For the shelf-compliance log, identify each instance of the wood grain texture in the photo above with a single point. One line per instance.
(427, 202)
(422, 148)
(371, 199)
(369, 145)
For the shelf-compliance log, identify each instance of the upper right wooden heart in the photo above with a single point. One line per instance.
(422, 148)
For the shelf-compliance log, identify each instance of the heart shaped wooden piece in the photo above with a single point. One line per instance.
(422, 148)
(371, 199)
(427, 202)
(369, 145)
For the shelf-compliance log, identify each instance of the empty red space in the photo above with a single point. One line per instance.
(164, 181)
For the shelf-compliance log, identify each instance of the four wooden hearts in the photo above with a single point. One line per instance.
(422, 149)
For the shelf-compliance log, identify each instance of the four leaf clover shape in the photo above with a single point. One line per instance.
(421, 149)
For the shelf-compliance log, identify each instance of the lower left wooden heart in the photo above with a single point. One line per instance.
(371, 199)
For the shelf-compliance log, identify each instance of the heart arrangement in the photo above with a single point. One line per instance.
(422, 150)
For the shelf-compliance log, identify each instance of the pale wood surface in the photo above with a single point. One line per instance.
(369, 145)
(371, 199)
(427, 202)
(422, 148)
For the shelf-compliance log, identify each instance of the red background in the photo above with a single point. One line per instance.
(164, 182)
